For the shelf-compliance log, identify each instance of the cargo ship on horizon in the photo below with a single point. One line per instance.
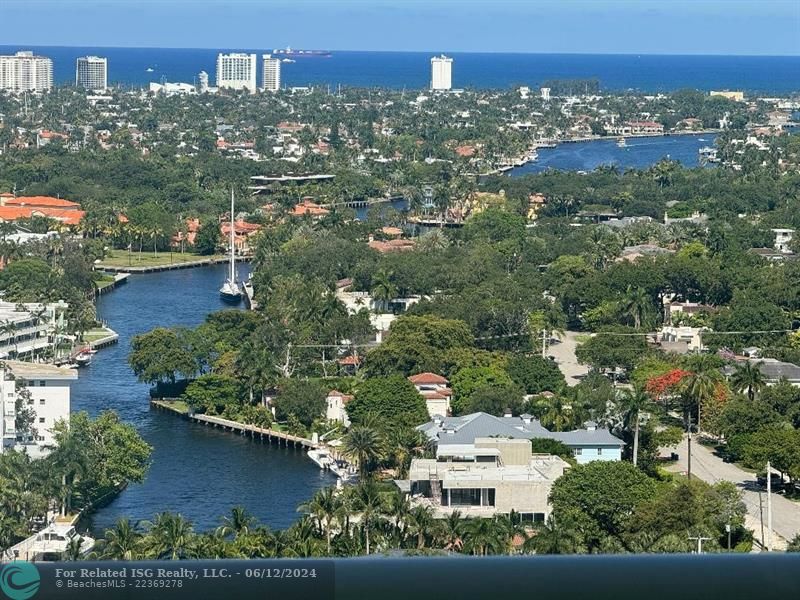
(290, 53)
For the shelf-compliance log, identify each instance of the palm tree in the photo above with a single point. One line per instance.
(559, 415)
(238, 523)
(325, 507)
(637, 305)
(400, 511)
(452, 531)
(421, 523)
(483, 536)
(554, 537)
(432, 241)
(700, 386)
(73, 549)
(170, 537)
(383, 290)
(368, 503)
(363, 444)
(122, 541)
(633, 403)
(9, 329)
(748, 378)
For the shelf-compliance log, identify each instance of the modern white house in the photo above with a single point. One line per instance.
(26, 72)
(271, 73)
(237, 71)
(436, 391)
(91, 73)
(783, 238)
(48, 395)
(484, 478)
(441, 73)
(587, 444)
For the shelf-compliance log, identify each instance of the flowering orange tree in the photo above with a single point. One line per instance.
(663, 386)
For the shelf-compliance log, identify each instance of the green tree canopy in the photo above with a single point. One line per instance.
(605, 491)
(393, 400)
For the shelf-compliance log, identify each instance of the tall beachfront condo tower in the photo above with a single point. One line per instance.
(441, 72)
(271, 74)
(25, 72)
(237, 71)
(91, 72)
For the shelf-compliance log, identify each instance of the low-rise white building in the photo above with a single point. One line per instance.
(27, 328)
(45, 390)
(783, 239)
(487, 477)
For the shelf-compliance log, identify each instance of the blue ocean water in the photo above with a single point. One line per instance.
(780, 74)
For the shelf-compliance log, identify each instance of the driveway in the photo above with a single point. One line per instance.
(711, 469)
(564, 354)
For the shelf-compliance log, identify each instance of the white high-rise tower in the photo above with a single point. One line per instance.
(441, 72)
(237, 71)
(271, 76)
(202, 82)
(25, 72)
(91, 72)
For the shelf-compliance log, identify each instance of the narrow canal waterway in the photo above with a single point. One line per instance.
(197, 471)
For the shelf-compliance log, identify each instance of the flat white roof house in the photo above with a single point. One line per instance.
(487, 477)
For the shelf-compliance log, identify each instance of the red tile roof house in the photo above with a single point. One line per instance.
(434, 389)
(307, 207)
(242, 234)
(23, 207)
(335, 411)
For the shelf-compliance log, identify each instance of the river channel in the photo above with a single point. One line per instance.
(198, 471)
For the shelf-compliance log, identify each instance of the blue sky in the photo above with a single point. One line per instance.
(765, 27)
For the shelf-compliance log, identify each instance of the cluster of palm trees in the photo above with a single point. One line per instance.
(357, 520)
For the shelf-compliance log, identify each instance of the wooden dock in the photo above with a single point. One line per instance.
(268, 435)
(203, 262)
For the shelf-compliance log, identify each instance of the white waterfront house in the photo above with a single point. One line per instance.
(237, 71)
(484, 478)
(441, 73)
(271, 73)
(47, 393)
(91, 73)
(26, 72)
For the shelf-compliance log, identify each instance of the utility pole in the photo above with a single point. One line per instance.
(761, 515)
(544, 343)
(689, 447)
(769, 507)
(700, 540)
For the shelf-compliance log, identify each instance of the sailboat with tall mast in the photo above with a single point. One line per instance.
(230, 290)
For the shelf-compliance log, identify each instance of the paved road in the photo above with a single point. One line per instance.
(564, 353)
(711, 468)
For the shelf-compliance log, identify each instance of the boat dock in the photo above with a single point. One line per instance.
(119, 279)
(255, 432)
(249, 295)
(105, 341)
(204, 262)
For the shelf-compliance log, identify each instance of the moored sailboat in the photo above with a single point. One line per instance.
(231, 291)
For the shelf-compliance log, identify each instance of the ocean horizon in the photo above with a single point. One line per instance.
(485, 70)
